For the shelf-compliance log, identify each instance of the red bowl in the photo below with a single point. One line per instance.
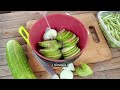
(58, 22)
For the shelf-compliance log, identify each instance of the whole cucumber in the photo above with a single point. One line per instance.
(17, 61)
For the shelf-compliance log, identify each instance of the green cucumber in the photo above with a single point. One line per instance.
(72, 52)
(67, 48)
(61, 35)
(17, 61)
(55, 56)
(73, 42)
(70, 39)
(47, 43)
(84, 71)
(68, 35)
(48, 50)
(69, 51)
(52, 53)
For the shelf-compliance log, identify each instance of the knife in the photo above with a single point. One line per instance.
(47, 67)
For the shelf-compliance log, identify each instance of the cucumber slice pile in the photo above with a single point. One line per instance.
(70, 51)
(50, 43)
(51, 49)
(64, 45)
(69, 43)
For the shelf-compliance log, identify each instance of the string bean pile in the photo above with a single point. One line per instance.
(112, 21)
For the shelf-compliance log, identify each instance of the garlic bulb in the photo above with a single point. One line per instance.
(50, 34)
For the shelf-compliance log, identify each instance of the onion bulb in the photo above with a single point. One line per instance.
(50, 34)
(66, 74)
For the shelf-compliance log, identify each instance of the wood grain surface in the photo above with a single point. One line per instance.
(109, 69)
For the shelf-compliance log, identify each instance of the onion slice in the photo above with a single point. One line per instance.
(69, 67)
(66, 74)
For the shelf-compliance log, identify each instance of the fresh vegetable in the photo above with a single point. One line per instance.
(50, 34)
(75, 53)
(84, 70)
(66, 74)
(48, 50)
(49, 44)
(55, 76)
(64, 45)
(17, 61)
(112, 21)
(73, 42)
(55, 55)
(64, 35)
(70, 67)
(70, 51)
(51, 49)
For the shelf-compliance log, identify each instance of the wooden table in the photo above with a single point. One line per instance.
(9, 24)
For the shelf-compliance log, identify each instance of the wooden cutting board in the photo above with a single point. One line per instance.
(96, 51)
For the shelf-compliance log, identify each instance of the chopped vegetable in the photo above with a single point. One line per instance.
(55, 76)
(69, 67)
(64, 45)
(84, 71)
(66, 74)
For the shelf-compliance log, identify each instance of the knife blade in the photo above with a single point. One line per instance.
(47, 67)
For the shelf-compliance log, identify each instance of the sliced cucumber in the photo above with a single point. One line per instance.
(73, 54)
(69, 40)
(53, 53)
(61, 34)
(73, 42)
(55, 56)
(48, 50)
(67, 36)
(67, 48)
(69, 51)
(84, 71)
(47, 43)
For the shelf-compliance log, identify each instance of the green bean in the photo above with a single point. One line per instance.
(117, 36)
(113, 34)
(118, 23)
(112, 31)
(114, 25)
(119, 33)
(108, 16)
(112, 21)
(108, 27)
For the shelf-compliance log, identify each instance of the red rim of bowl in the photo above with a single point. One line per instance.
(62, 60)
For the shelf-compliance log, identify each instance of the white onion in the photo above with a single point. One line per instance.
(70, 67)
(66, 74)
(50, 34)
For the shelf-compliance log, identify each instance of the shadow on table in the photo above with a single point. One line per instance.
(1, 12)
